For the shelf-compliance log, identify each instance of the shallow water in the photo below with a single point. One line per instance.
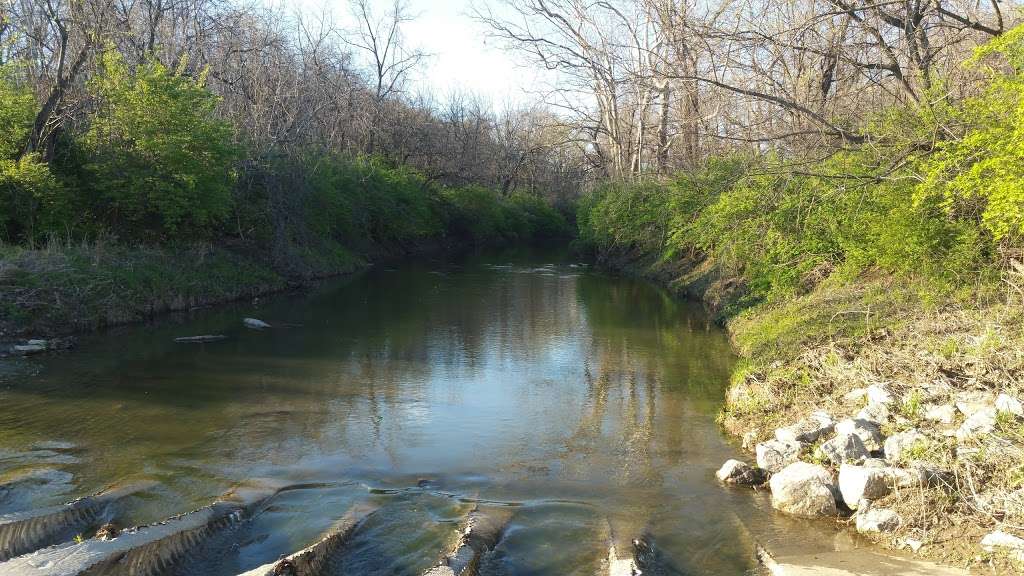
(582, 402)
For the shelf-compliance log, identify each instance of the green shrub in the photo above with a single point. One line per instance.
(980, 175)
(31, 198)
(158, 160)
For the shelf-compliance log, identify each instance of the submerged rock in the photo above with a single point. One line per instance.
(200, 339)
(774, 455)
(30, 347)
(740, 473)
(804, 490)
(255, 323)
(843, 448)
(867, 430)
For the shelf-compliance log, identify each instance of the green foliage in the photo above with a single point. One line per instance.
(980, 175)
(17, 110)
(783, 231)
(370, 205)
(31, 198)
(159, 161)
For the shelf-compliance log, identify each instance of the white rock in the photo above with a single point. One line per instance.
(736, 472)
(878, 394)
(980, 423)
(876, 520)
(875, 412)
(749, 440)
(255, 323)
(807, 430)
(1009, 404)
(868, 431)
(972, 401)
(858, 483)
(774, 455)
(27, 349)
(897, 444)
(804, 490)
(907, 477)
(1000, 539)
(843, 448)
(914, 545)
(855, 396)
(944, 413)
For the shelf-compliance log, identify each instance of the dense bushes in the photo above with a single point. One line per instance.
(154, 164)
(783, 232)
(29, 193)
(941, 210)
(157, 162)
(980, 174)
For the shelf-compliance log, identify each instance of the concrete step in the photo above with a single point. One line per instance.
(860, 562)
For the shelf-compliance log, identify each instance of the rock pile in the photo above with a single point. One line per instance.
(822, 467)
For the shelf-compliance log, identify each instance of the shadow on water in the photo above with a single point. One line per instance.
(586, 401)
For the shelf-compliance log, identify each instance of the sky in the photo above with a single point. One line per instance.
(462, 57)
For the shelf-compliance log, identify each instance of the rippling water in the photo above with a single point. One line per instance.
(583, 403)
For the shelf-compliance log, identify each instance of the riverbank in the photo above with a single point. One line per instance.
(66, 289)
(950, 370)
(62, 290)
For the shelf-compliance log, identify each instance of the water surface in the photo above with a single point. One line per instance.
(585, 403)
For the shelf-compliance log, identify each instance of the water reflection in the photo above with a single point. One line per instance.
(509, 379)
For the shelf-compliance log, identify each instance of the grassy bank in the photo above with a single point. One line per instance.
(929, 347)
(154, 201)
(827, 287)
(293, 222)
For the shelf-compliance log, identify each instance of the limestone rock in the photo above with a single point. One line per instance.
(855, 396)
(879, 394)
(943, 413)
(1006, 542)
(807, 430)
(979, 423)
(804, 490)
(897, 444)
(774, 455)
(857, 483)
(867, 430)
(750, 440)
(741, 473)
(874, 412)
(876, 520)
(843, 448)
(1010, 405)
(972, 401)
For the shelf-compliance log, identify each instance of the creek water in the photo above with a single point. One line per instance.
(584, 403)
